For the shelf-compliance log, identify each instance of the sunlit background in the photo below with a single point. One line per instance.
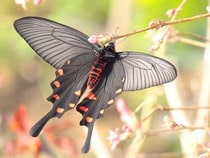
(25, 78)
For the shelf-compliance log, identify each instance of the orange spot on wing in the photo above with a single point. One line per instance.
(56, 96)
(68, 62)
(57, 84)
(110, 102)
(89, 119)
(78, 93)
(118, 91)
(101, 111)
(83, 108)
(71, 105)
(60, 72)
(60, 110)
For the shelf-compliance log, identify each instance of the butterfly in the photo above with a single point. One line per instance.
(88, 76)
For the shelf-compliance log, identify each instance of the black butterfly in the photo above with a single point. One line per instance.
(88, 76)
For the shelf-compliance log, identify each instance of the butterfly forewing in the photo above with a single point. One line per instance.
(54, 42)
(144, 71)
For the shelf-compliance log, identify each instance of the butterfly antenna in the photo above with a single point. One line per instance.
(115, 35)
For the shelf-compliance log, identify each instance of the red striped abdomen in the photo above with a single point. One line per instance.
(96, 70)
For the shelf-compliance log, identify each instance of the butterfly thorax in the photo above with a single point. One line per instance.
(108, 51)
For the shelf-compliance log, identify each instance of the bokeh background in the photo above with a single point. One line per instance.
(25, 78)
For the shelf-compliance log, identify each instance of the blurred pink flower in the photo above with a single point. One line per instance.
(101, 39)
(22, 142)
(156, 24)
(202, 148)
(22, 3)
(114, 138)
(170, 12)
(64, 143)
(205, 155)
(126, 129)
(169, 123)
(93, 39)
(67, 145)
(38, 2)
(19, 122)
(127, 116)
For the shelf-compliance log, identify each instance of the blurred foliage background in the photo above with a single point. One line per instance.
(25, 78)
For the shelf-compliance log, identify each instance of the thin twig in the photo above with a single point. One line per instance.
(192, 42)
(158, 131)
(178, 9)
(162, 24)
(199, 37)
(160, 108)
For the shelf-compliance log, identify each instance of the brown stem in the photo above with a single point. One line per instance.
(160, 108)
(199, 37)
(158, 131)
(162, 24)
(193, 42)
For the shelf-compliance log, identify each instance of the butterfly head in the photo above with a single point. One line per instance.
(108, 50)
(110, 47)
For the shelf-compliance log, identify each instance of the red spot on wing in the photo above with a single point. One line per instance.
(56, 96)
(60, 72)
(57, 84)
(83, 108)
(91, 96)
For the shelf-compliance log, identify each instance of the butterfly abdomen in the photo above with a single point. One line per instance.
(96, 69)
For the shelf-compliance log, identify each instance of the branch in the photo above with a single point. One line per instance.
(160, 131)
(161, 108)
(160, 23)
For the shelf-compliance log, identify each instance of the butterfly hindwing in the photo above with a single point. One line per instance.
(109, 86)
(70, 78)
(144, 71)
(54, 42)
